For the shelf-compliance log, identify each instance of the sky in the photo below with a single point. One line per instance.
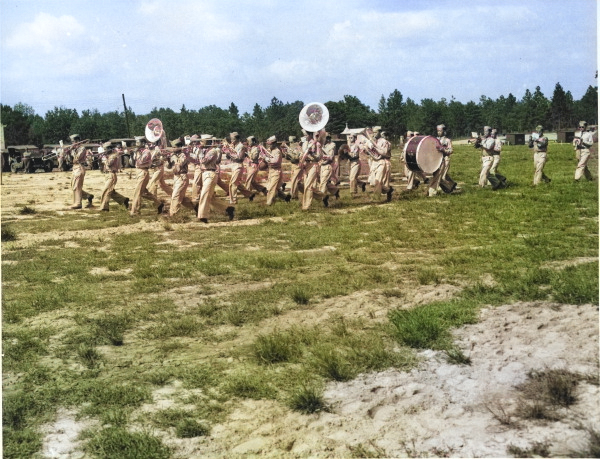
(85, 54)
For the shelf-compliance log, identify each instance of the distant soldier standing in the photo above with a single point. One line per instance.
(112, 167)
(582, 142)
(539, 143)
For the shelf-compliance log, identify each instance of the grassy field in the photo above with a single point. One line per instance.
(96, 324)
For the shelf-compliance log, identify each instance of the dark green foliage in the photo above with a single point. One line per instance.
(307, 399)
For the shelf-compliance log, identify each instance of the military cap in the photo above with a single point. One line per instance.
(234, 135)
(205, 137)
(74, 137)
(291, 138)
(272, 139)
(441, 126)
(539, 127)
(487, 128)
(583, 124)
(250, 139)
(409, 133)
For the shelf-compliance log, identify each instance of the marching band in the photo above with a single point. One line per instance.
(314, 164)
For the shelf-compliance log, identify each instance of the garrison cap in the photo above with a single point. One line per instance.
(74, 137)
(582, 123)
(539, 127)
(291, 138)
(272, 139)
(250, 139)
(441, 126)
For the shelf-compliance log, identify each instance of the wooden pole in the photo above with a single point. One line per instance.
(126, 117)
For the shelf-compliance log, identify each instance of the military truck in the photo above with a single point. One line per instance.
(27, 158)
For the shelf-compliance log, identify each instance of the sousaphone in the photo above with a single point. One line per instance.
(154, 130)
(313, 117)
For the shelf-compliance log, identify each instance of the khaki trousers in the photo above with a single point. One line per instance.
(295, 179)
(158, 178)
(539, 161)
(196, 184)
(486, 165)
(273, 183)
(310, 169)
(235, 183)
(109, 192)
(354, 180)
(178, 198)
(335, 170)
(207, 196)
(387, 173)
(325, 180)
(582, 168)
(379, 170)
(251, 171)
(438, 176)
(141, 191)
(77, 183)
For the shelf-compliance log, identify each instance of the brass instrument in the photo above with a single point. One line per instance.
(369, 144)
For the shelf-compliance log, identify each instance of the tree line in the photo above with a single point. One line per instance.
(394, 114)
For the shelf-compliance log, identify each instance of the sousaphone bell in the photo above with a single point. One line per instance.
(154, 130)
(313, 117)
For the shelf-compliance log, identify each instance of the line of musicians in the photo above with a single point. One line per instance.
(315, 169)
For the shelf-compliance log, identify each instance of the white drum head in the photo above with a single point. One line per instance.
(428, 157)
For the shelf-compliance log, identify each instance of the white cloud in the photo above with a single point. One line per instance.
(47, 33)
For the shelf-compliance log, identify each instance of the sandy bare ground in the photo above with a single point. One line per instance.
(438, 409)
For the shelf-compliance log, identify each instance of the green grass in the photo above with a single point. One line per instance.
(190, 315)
(119, 443)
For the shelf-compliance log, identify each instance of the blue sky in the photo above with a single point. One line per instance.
(84, 54)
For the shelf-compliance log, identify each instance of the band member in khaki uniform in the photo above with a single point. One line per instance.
(272, 156)
(209, 159)
(252, 166)
(487, 144)
(377, 149)
(582, 142)
(197, 179)
(112, 167)
(354, 159)
(387, 159)
(292, 153)
(80, 156)
(158, 176)
(496, 159)
(311, 155)
(326, 179)
(181, 181)
(237, 153)
(446, 149)
(142, 164)
(539, 143)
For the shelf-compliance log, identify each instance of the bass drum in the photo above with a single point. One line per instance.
(422, 154)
